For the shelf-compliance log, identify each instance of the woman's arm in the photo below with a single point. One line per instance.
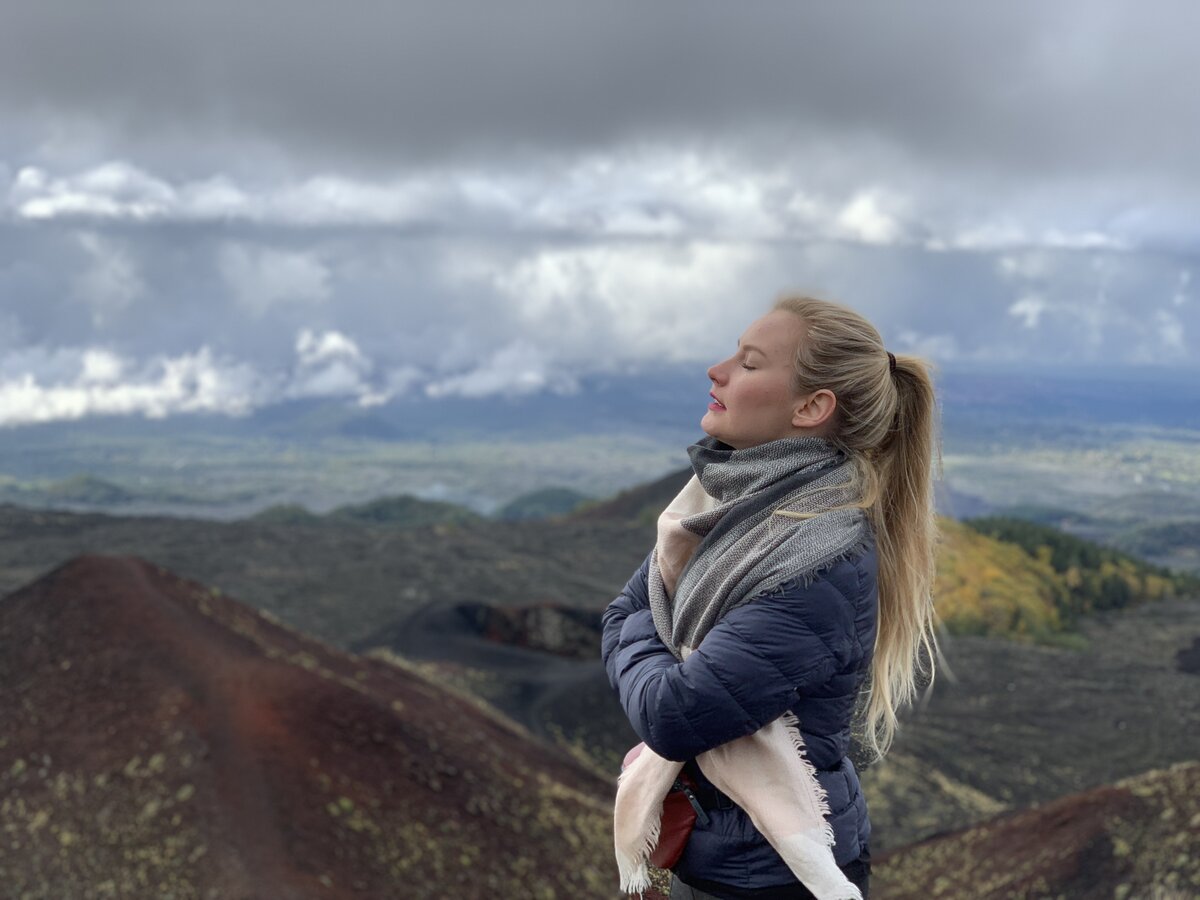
(746, 672)
(634, 598)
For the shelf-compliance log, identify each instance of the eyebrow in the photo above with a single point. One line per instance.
(750, 347)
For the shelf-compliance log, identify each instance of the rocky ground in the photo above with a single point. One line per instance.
(162, 740)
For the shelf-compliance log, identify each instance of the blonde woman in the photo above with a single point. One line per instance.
(791, 577)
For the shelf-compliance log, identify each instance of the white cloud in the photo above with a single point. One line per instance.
(1170, 331)
(620, 192)
(1030, 265)
(101, 366)
(514, 370)
(330, 346)
(329, 364)
(864, 219)
(190, 382)
(396, 383)
(112, 280)
(1007, 235)
(1182, 283)
(39, 385)
(1029, 309)
(121, 191)
(112, 190)
(261, 277)
(938, 347)
(661, 302)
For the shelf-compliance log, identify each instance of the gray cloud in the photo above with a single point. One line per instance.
(1036, 87)
(215, 206)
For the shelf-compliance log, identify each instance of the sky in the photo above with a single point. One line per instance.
(216, 206)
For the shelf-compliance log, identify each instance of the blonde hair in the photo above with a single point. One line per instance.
(887, 422)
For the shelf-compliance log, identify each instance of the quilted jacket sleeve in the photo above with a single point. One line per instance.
(746, 672)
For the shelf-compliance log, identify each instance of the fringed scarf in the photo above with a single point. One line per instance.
(748, 521)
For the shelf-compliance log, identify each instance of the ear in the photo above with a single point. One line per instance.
(814, 410)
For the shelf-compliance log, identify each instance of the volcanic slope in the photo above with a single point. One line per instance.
(163, 740)
(1135, 838)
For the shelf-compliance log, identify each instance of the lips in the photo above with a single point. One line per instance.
(716, 404)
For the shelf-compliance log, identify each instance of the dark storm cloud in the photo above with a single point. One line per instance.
(214, 205)
(994, 87)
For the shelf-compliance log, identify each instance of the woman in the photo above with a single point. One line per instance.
(793, 572)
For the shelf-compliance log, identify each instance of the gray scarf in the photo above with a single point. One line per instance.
(746, 547)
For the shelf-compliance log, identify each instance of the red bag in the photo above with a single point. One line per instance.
(680, 811)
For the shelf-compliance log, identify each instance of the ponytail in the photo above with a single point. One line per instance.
(886, 420)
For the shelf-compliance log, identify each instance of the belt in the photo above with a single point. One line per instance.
(711, 798)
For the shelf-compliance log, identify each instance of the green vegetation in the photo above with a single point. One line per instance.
(988, 587)
(1091, 577)
(396, 512)
(544, 504)
(404, 511)
(1168, 537)
(87, 489)
(1056, 516)
(287, 514)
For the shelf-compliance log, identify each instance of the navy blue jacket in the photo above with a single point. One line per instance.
(804, 648)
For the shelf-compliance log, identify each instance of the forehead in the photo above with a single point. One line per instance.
(776, 334)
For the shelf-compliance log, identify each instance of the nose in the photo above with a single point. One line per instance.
(716, 372)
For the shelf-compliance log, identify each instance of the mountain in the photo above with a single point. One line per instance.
(1176, 542)
(343, 583)
(539, 665)
(403, 511)
(639, 505)
(546, 503)
(1134, 838)
(162, 739)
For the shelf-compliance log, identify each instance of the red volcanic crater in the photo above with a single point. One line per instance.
(162, 740)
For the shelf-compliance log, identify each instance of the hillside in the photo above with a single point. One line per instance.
(1095, 576)
(1178, 540)
(505, 611)
(985, 586)
(638, 505)
(1009, 724)
(546, 503)
(163, 740)
(1138, 837)
(343, 583)
(1013, 578)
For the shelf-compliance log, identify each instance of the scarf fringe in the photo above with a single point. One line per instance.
(634, 869)
(805, 579)
(791, 726)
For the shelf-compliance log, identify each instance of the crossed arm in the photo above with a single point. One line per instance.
(748, 670)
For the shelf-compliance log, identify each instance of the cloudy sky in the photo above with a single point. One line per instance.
(216, 205)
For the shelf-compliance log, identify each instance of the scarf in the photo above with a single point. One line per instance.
(746, 522)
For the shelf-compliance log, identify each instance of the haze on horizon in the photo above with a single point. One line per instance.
(214, 207)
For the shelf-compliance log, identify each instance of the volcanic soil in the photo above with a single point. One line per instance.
(163, 740)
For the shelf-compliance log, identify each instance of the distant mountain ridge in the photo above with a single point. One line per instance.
(401, 511)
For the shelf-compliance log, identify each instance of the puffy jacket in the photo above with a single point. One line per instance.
(801, 647)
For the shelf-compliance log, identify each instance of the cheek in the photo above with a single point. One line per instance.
(768, 399)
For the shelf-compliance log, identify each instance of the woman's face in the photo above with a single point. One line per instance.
(753, 399)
